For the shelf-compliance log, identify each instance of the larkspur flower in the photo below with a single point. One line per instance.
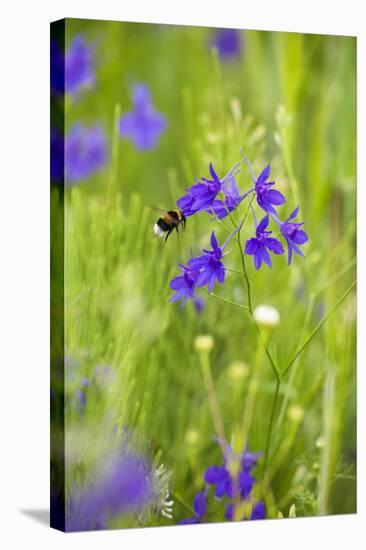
(79, 66)
(210, 267)
(201, 195)
(199, 509)
(200, 271)
(228, 43)
(233, 198)
(267, 198)
(293, 234)
(143, 125)
(221, 476)
(121, 485)
(233, 482)
(85, 152)
(258, 246)
(184, 284)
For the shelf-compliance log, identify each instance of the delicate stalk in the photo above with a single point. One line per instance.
(226, 300)
(316, 330)
(269, 433)
(212, 399)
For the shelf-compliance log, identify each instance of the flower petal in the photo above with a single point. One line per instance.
(215, 474)
(251, 246)
(263, 225)
(275, 197)
(274, 245)
(300, 237)
(200, 504)
(266, 257)
(264, 175)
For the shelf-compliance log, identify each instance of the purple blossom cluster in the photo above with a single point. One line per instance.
(232, 483)
(220, 198)
(143, 125)
(123, 484)
(83, 151)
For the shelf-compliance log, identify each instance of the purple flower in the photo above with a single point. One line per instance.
(57, 69)
(81, 396)
(293, 234)
(79, 69)
(199, 303)
(199, 509)
(227, 42)
(233, 198)
(185, 284)
(85, 152)
(123, 484)
(143, 125)
(267, 197)
(259, 511)
(57, 156)
(201, 196)
(258, 247)
(221, 478)
(209, 266)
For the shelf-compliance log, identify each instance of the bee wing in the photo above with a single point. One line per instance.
(161, 210)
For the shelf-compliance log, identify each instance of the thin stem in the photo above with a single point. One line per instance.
(212, 399)
(234, 270)
(315, 331)
(226, 300)
(269, 434)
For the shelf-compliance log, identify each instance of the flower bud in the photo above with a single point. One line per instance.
(266, 316)
(238, 370)
(203, 343)
(295, 413)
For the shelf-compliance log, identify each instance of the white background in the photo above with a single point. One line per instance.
(24, 269)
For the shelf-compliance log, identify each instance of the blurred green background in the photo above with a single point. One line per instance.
(288, 99)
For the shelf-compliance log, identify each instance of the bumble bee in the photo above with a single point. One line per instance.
(169, 221)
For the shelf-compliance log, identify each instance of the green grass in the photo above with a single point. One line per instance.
(289, 100)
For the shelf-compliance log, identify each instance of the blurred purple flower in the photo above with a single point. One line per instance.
(293, 234)
(257, 247)
(79, 66)
(57, 156)
(237, 489)
(57, 69)
(259, 511)
(228, 43)
(199, 509)
(122, 485)
(85, 152)
(81, 396)
(143, 125)
(199, 303)
(202, 195)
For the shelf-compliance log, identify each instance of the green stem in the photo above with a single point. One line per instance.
(269, 434)
(226, 300)
(316, 330)
(212, 399)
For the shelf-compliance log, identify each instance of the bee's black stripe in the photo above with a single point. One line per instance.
(164, 226)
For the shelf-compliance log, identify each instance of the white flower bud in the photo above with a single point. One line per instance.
(295, 413)
(267, 316)
(203, 343)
